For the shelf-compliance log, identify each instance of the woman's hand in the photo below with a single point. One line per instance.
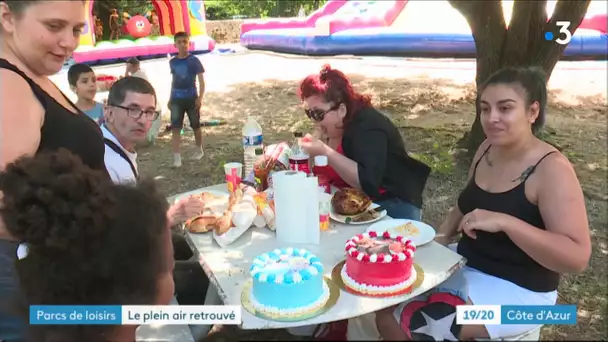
(185, 209)
(313, 146)
(485, 220)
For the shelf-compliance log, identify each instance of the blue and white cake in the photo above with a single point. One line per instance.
(288, 282)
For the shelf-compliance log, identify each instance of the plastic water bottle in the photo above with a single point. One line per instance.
(252, 140)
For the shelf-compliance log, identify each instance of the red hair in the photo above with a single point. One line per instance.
(335, 88)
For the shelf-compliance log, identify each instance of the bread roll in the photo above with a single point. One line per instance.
(201, 224)
(223, 223)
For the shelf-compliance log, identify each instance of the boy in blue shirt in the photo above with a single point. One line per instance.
(83, 83)
(185, 98)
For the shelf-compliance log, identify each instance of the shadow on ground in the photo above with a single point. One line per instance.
(431, 115)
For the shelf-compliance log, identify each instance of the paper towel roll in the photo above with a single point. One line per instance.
(296, 207)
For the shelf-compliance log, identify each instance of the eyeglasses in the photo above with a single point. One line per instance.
(319, 114)
(137, 113)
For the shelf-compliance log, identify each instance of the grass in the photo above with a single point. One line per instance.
(431, 115)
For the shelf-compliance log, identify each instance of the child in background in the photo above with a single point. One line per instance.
(114, 24)
(133, 69)
(83, 83)
(185, 98)
(98, 29)
(155, 24)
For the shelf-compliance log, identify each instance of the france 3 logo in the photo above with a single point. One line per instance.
(564, 35)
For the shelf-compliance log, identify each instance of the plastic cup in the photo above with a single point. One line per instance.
(234, 174)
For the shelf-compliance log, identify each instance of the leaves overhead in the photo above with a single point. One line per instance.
(227, 9)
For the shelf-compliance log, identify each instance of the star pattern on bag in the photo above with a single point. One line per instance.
(433, 319)
(438, 329)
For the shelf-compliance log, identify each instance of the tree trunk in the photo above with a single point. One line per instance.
(519, 45)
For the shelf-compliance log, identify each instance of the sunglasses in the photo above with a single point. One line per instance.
(319, 114)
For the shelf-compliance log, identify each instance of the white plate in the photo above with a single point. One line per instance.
(425, 234)
(342, 218)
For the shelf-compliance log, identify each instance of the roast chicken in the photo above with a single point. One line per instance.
(349, 201)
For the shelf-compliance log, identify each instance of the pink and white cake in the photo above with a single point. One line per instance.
(379, 265)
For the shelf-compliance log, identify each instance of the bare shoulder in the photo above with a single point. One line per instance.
(555, 167)
(18, 99)
(22, 116)
(12, 78)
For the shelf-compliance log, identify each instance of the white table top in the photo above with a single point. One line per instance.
(228, 269)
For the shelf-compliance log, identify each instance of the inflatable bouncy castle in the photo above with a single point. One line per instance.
(174, 16)
(401, 28)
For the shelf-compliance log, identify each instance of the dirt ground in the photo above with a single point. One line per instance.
(432, 103)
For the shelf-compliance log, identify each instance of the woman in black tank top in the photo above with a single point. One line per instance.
(63, 127)
(36, 115)
(522, 213)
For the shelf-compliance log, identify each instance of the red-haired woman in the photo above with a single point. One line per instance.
(364, 148)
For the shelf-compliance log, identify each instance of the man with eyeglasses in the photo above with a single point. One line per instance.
(129, 113)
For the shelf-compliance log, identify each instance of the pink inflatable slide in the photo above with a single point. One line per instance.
(392, 28)
(339, 17)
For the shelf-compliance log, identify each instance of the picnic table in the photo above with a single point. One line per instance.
(228, 268)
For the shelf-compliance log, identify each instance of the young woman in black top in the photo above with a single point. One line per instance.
(362, 145)
(522, 211)
(37, 37)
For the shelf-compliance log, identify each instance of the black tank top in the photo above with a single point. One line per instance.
(495, 253)
(64, 129)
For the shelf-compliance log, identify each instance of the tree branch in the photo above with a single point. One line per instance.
(486, 20)
(537, 24)
(523, 28)
(549, 52)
